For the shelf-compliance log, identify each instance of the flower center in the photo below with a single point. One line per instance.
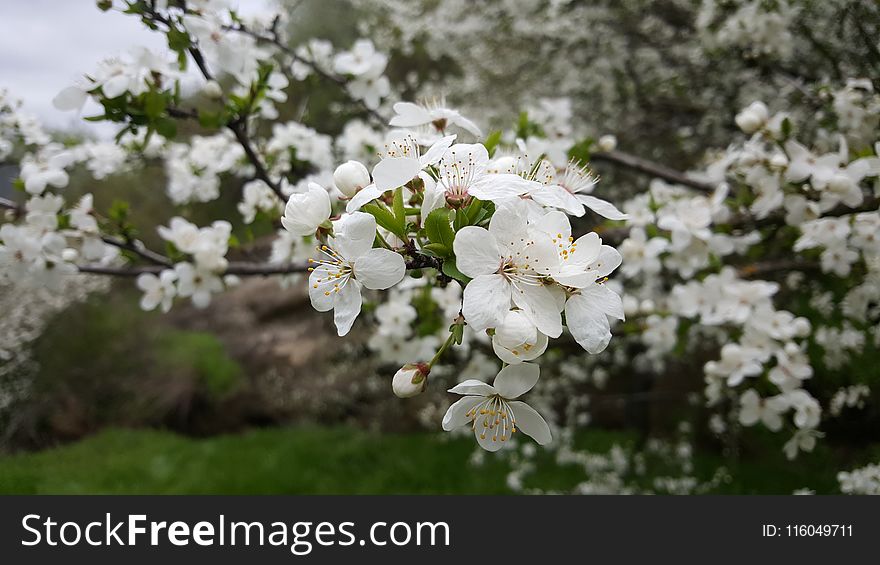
(337, 270)
(493, 418)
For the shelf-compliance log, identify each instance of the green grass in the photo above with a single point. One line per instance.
(332, 460)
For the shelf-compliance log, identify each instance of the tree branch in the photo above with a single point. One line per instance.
(651, 168)
(239, 268)
(10, 205)
(139, 249)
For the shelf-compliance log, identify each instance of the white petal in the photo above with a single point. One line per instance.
(529, 422)
(318, 290)
(436, 151)
(608, 260)
(363, 196)
(393, 172)
(587, 323)
(71, 98)
(354, 235)
(587, 249)
(434, 196)
(517, 355)
(115, 86)
(476, 252)
(540, 306)
(515, 330)
(455, 417)
(409, 115)
(379, 269)
(346, 307)
(557, 197)
(605, 300)
(555, 224)
(486, 301)
(515, 380)
(602, 207)
(499, 187)
(484, 439)
(473, 387)
(468, 126)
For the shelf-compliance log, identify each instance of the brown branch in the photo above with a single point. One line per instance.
(10, 205)
(651, 168)
(139, 249)
(234, 268)
(239, 268)
(757, 270)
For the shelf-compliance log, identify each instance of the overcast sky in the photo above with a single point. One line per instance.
(45, 45)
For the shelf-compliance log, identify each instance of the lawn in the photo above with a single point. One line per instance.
(334, 460)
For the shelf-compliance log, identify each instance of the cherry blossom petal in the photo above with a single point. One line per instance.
(354, 235)
(529, 422)
(379, 269)
(476, 252)
(587, 323)
(346, 306)
(436, 151)
(455, 416)
(393, 172)
(363, 196)
(473, 387)
(409, 115)
(486, 301)
(602, 207)
(540, 306)
(515, 380)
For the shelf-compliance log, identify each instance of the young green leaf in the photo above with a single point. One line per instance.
(438, 229)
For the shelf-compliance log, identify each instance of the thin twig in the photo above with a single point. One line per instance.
(651, 168)
(139, 249)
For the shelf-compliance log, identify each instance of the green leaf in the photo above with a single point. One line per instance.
(166, 127)
(178, 40)
(437, 250)
(492, 142)
(461, 219)
(473, 211)
(154, 104)
(438, 229)
(385, 218)
(451, 271)
(581, 150)
(399, 209)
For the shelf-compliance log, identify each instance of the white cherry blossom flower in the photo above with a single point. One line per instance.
(197, 283)
(493, 411)
(504, 262)
(158, 291)
(409, 115)
(349, 262)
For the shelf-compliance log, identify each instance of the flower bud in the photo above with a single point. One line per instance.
(410, 380)
(779, 161)
(212, 89)
(607, 143)
(753, 117)
(801, 327)
(350, 177)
